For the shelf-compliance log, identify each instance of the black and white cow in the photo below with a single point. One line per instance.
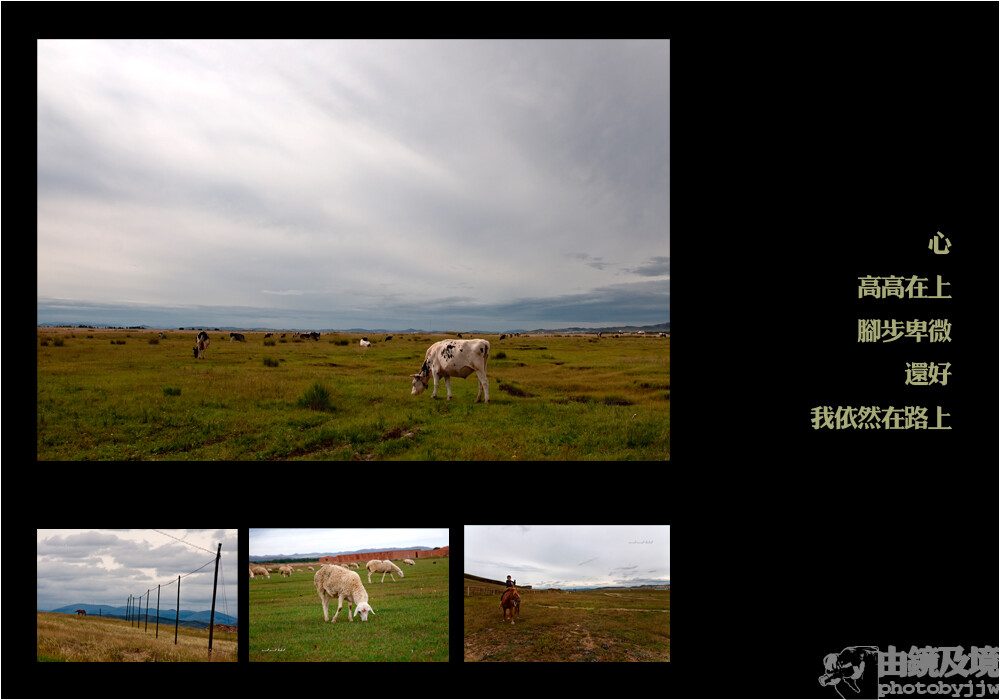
(201, 344)
(454, 358)
(237, 336)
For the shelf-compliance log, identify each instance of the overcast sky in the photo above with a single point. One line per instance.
(338, 184)
(267, 541)
(568, 556)
(102, 567)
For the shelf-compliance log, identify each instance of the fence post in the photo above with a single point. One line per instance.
(157, 611)
(178, 619)
(146, 628)
(128, 610)
(211, 619)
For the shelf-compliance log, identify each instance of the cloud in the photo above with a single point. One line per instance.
(654, 267)
(353, 183)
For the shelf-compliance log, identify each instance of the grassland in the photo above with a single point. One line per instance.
(598, 625)
(124, 395)
(410, 620)
(62, 637)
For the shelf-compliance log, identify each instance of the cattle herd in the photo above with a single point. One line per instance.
(444, 359)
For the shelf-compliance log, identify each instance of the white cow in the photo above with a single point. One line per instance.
(454, 358)
(364, 343)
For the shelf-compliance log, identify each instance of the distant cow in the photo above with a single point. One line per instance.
(364, 343)
(201, 345)
(313, 334)
(82, 612)
(454, 358)
(237, 336)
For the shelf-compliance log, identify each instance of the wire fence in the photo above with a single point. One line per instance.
(491, 590)
(138, 617)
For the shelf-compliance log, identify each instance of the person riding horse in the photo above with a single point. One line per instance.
(510, 600)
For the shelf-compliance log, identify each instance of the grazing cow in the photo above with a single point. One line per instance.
(237, 336)
(502, 336)
(162, 336)
(364, 343)
(388, 338)
(314, 335)
(454, 358)
(268, 335)
(201, 345)
(82, 612)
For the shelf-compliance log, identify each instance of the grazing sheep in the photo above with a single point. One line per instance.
(354, 565)
(409, 561)
(286, 571)
(251, 572)
(311, 569)
(335, 582)
(260, 571)
(386, 567)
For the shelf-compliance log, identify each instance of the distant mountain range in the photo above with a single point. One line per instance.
(656, 328)
(313, 556)
(189, 618)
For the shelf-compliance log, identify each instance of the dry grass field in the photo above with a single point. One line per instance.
(588, 626)
(62, 637)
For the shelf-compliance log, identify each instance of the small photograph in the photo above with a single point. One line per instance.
(567, 593)
(137, 595)
(348, 594)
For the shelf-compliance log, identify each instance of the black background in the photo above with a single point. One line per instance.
(810, 146)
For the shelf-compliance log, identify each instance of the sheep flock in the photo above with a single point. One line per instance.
(338, 581)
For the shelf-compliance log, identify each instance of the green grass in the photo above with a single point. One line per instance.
(569, 398)
(410, 620)
(599, 625)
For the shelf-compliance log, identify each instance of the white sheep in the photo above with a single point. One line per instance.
(335, 582)
(311, 569)
(251, 572)
(386, 567)
(286, 571)
(260, 571)
(409, 561)
(354, 565)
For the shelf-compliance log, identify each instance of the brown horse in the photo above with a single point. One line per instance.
(82, 612)
(510, 600)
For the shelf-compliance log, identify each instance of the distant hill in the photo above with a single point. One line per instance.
(189, 618)
(313, 556)
(656, 328)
